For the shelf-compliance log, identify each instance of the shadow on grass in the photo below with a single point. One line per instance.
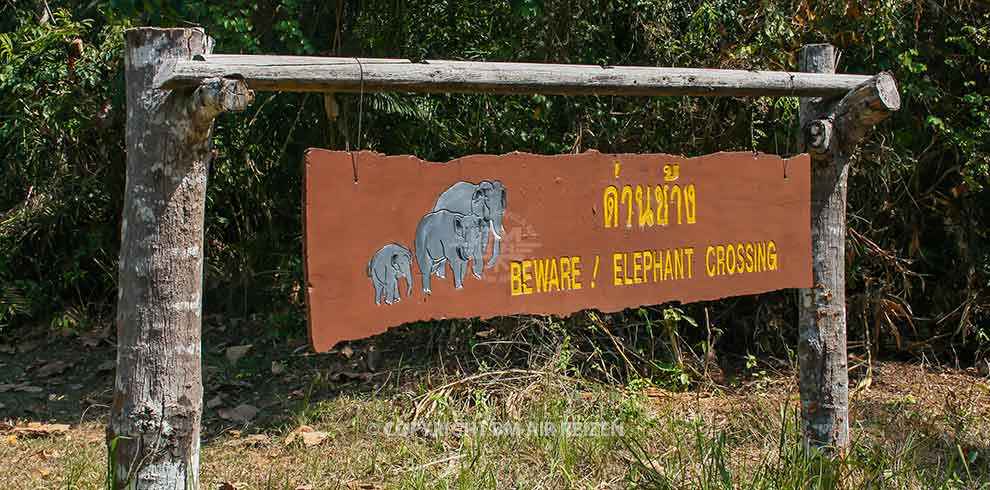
(68, 378)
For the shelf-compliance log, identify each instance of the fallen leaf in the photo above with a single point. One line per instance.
(347, 351)
(38, 429)
(363, 486)
(93, 338)
(655, 392)
(52, 368)
(278, 367)
(236, 352)
(11, 440)
(251, 440)
(484, 333)
(308, 435)
(304, 486)
(23, 387)
(215, 401)
(311, 439)
(46, 455)
(242, 413)
(291, 437)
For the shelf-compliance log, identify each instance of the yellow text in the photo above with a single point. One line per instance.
(740, 258)
(529, 276)
(644, 266)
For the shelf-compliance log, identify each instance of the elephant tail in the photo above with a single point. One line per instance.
(369, 269)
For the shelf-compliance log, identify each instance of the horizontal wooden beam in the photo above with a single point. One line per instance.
(843, 127)
(319, 74)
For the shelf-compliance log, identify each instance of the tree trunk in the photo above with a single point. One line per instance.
(153, 437)
(822, 320)
(831, 130)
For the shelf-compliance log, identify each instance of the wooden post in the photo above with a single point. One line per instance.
(831, 129)
(153, 435)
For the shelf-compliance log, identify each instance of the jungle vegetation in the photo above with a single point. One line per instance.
(918, 264)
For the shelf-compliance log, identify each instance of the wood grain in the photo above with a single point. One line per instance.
(320, 74)
(556, 206)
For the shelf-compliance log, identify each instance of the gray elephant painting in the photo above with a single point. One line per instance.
(389, 264)
(485, 200)
(444, 237)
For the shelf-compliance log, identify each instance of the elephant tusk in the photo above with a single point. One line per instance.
(492, 226)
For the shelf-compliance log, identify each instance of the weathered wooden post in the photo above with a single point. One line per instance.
(153, 436)
(831, 130)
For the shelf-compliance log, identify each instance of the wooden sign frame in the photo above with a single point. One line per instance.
(175, 88)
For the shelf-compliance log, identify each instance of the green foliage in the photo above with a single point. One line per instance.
(918, 262)
(60, 140)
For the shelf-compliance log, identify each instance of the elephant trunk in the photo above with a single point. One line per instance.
(479, 257)
(407, 272)
(423, 263)
(497, 224)
(493, 225)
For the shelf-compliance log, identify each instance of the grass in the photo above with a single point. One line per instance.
(914, 427)
(680, 442)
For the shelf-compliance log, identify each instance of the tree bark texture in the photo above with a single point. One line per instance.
(831, 129)
(822, 320)
(322, 74)
(153, 434)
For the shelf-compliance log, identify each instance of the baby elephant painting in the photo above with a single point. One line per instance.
(387, 266)
(444, 236)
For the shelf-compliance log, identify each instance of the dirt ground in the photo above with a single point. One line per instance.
(277, 416)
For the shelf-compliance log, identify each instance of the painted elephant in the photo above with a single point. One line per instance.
(444, 237)
(389, 264)
(485, 200)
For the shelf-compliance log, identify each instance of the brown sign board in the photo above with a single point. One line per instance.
(393, 239)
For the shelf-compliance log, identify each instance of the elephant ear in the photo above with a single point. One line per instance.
(463, 254)
(459, 226)
(395, 260)
(480, 199)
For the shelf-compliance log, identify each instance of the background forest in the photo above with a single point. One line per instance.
(918, 261)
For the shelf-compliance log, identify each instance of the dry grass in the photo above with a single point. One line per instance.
(914, 428)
